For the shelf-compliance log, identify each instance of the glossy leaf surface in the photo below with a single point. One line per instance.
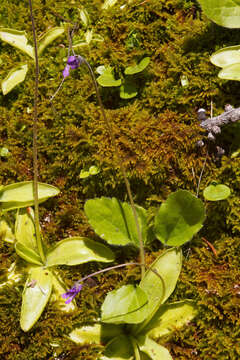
(14, 77)
(179, 218)
(168, 266)
(25, 228)
(216, 192)
(107, 78)
(20, 194)
(49, 37)
(171, 317)
(35, 296)
(227, 56)
(27, 254)
(95, 334)
(18, 39)
(114, 222)
(223, 12)
(125, 305)
(231, 72)
(78, 250)
(152, 349)
(130, 70)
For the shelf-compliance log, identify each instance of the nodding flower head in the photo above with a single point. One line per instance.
(73, 62)
(70, 294)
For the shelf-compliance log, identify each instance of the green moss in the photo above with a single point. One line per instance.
(156, 134)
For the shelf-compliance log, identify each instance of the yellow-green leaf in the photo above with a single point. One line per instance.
(14, 77)
(17, 39)
(49, 37)
(35, 296)
(231, 72)
(20, 194)
(25, 228)
(28, 254)
(171, 317)
(78, 250)
(168, 266)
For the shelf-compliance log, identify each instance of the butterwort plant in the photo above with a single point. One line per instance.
(134, 316)
(42, 278)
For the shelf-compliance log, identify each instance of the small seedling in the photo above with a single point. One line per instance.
(128, 87)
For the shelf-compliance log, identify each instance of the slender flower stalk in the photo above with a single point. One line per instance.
(73, 62)
(71, 293)
(120, 163)
(35, 156)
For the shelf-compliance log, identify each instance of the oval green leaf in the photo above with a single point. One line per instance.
(35, 296)
(28, 254)
(130, 70)
(20, 194)
(25, 228)
(78, 250)
(223, 12)
(14, 77)
(107, 79)
(216, 192)
(171, 317)
(227, 56)
(95, 334)
(128, 90)
(125, 305)
(231, 72)
(179, 218)
(114, 222)
(152, 349)
(49, 37)
(18, 39)
(168, 266)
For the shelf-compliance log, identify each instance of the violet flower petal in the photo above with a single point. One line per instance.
(71, 293)
(66, 71)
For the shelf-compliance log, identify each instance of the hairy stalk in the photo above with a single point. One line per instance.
(120, 163)
(35, 156)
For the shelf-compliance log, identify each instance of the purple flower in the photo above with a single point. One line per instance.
(73, 62)
(70, 294)
(66, 71)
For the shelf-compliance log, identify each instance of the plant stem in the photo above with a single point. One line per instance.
(135, 348)
(119, 266)
(120, 163)
(35, 156)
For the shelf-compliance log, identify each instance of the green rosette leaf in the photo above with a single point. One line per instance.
(78, 250)
(114, 221)
(35, 296)
(125, 305)
(19, 195)
(179, 218)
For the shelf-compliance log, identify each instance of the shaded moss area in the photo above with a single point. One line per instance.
(156, 133)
